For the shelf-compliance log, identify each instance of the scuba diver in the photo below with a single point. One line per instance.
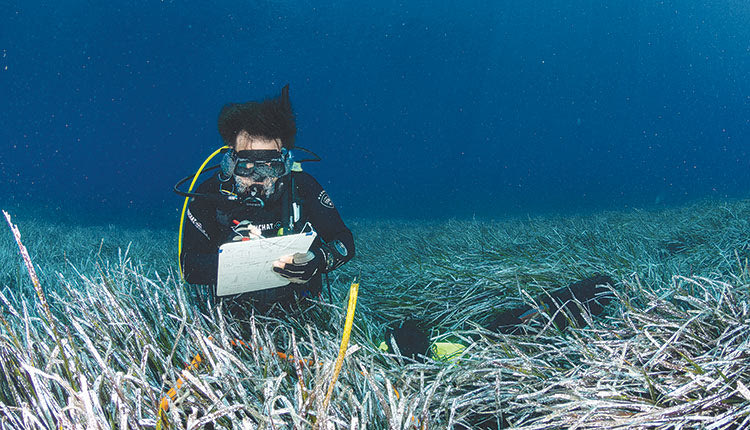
(260, 191)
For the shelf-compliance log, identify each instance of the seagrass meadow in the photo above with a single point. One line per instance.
(112, 329)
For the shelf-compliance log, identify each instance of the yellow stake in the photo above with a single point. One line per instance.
(353, 290)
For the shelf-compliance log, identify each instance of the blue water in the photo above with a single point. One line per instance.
(419, 109)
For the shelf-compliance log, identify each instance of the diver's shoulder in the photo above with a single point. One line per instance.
(209, 186)
(303, 176)
(305, 182)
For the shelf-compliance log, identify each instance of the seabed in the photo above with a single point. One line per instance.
(121, 338)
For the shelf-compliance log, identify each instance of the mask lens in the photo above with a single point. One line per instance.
(244, 168)
(258, 166)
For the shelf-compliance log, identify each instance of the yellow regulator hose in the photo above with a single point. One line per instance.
(184, 205)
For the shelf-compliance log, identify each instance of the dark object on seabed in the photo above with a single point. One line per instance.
(412, 338)
(592, 293)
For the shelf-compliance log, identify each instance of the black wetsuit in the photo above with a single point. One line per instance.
(210, 221)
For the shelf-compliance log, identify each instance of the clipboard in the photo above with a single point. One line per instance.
(248, 265)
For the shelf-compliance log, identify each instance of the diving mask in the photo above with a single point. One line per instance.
(256, 164)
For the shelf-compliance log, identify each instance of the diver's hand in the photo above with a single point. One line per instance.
(300, 267)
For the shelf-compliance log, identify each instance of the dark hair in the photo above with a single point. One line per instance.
(270, 118)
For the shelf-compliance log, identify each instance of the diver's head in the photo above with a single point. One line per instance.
(260, 135)
(256, 163)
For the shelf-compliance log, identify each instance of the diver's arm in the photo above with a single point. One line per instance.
(199, 257)
(338, 249)
(338, 245)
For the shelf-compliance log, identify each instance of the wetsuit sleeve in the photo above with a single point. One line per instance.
(338, 242)
(200, 254)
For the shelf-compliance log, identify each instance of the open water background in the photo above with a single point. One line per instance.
(419, 109)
